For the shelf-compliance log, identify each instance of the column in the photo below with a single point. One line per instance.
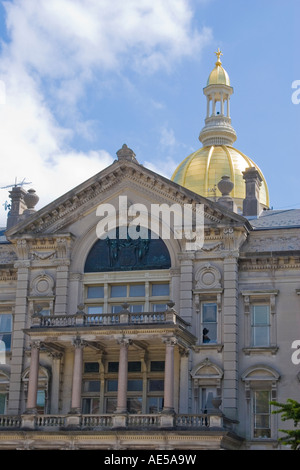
(184, 382)
(123, 375)
(214, 106)
(77, 375)
(228, 106)
(169, 376)
(55, 384)
(207, 107)
(222, 104)
(33, 378)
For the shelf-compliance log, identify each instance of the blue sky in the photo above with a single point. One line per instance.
(82, 77)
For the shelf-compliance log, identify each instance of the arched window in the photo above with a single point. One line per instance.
(260, 388)
(207, 378)
(119, 254)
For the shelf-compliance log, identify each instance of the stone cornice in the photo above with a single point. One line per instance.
(75, 203)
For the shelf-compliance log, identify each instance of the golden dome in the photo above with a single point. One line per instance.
(201, 171)
(218, 75)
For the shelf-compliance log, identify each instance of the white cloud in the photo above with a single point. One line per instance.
(55, 49)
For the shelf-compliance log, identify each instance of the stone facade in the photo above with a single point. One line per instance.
(87, 369)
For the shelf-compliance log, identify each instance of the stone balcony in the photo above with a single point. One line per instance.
(203, 422)
(82, 319)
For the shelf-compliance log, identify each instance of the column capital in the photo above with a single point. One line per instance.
(126, 342)
(35, 345)
(170, 340)
(79, 343)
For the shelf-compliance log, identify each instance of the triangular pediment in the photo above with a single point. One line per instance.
(122, 177)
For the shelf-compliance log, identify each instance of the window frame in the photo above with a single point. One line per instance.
(260, 298)
(111, 303)
(256, 413)
(260, 378)
(205, 303)
(8, 333)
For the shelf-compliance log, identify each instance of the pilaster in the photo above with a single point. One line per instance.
(186, 285)
(18, 338)
(230, 337)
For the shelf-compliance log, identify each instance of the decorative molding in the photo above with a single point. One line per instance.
(207, 277)
(42, 285)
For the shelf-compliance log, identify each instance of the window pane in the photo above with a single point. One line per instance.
(207, 395)
(156, 385)
(91, 367)
(136, 308)
(118, 291)
(260, 315)
(113, 367)
(135, 385)
(111, 405)
(2, 403)
(262, 433)
(91, 386)
(90, 406)
(262, 402)
(134, 405)
(209, 322)
(95, 310)
(116, 308)
(209, 313)
(5, 342)
(159, 307)
(40, 402)
(155, 404)
(209, 333)
(137, 290)
(157, 366)
(5, 323)
(160, 289)
(95, 292)
(260, 336)
(134, 366)
(112, 385)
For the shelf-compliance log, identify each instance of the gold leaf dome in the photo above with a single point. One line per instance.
(218, 76)
(201, 171)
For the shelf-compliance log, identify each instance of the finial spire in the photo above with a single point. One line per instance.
(218, 54)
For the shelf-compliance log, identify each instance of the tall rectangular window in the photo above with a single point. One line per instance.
(260, 325)
(261, 414)
(3, 397)
(209, 322)
(6, 330)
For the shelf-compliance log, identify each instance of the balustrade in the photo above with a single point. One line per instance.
(54, 422)
(87, 320)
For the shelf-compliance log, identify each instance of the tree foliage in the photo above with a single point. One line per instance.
(289, 410)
